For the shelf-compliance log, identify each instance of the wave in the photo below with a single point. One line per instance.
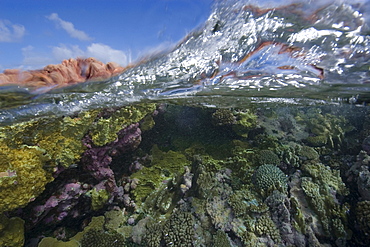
(296, 52)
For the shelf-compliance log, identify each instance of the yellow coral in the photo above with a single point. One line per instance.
(105, 130)
(11, 231)
(27, 178)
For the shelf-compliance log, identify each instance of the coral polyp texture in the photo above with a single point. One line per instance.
(268, 177)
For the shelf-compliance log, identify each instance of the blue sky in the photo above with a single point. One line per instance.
(40, 32)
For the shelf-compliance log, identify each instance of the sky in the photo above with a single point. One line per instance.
(35, 33)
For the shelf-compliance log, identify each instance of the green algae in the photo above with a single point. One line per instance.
(164, 167)
(98, 198)
(105, 128)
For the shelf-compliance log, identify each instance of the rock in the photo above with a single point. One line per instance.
(69, 72)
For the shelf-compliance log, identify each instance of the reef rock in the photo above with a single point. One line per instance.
(69, 72)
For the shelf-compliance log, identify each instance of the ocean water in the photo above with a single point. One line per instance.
(254, 130)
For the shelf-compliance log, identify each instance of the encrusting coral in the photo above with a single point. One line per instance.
(11, 231)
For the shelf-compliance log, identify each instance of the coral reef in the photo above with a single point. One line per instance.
(259, 190)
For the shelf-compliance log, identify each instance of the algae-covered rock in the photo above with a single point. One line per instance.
(98, 198)
(11, 231)
(105, 129)
(245, 121)
(97, 223)
(164, 166)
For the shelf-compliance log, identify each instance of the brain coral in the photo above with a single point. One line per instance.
(268, 177)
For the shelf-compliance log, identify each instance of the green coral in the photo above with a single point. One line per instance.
(98, 198)
(220, 239)
(105, 129)
(30, 151)
(59, 137)
(307, 153)
(325, 129)
(101, 238)
(178, 230)
(326, 177)
(266, 227)
(245, 121)
(267, 156)
(164, 167)
(330, 214)
(269, 177)
(244, 202)
(48, 241)
(363, 218)
(153, 236)
(11, 231)
(222, 117)
(96, 223)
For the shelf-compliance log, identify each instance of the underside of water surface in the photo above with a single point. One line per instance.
(252, 131)
(316, 52)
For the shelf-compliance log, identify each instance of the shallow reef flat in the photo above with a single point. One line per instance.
(173, 175)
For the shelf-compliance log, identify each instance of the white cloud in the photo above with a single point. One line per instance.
(69, 27)
(33, 59)
(64, 52)
(11, 32)
(106, 53)
(101, 52)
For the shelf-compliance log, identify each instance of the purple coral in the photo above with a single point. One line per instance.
(58, 206)
(68, 199)
(97, 160)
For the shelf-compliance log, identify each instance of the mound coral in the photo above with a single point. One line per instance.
(269, 177)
